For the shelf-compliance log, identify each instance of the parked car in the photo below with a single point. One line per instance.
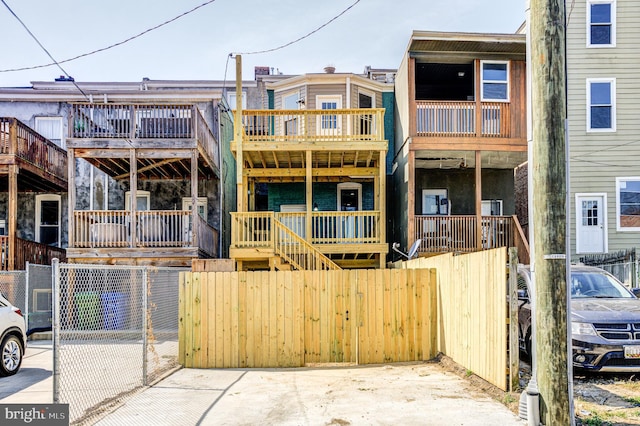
(13, 338)
(605, 320)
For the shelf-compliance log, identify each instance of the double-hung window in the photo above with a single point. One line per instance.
(628, 203)
(495, 81)
(601, 28)
(601, 105)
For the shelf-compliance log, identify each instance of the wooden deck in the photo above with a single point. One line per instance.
(28, 251)
(445, 234)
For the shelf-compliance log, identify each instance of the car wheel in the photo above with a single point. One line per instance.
(11, 352)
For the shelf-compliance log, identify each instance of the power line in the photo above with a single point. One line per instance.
(108, 47)
(43, 48)
(304, 36)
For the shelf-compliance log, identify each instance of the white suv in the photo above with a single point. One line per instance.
(13, 338)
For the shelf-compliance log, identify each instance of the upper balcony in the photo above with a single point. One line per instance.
(160, 129)
(279, 138)
(43, 163)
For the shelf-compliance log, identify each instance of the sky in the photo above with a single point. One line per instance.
(197, 45)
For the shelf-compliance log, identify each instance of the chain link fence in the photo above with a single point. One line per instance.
(30, 290)
(115, 329)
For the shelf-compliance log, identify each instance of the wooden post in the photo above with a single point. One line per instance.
(194, 198)
(382, 202)
(411, 199)
(71, 185)
(241, 192)
(548, 168)
(13, 215)
(479, 200)
(309, 195)
(133, 202)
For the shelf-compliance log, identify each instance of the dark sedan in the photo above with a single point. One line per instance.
(605, 320)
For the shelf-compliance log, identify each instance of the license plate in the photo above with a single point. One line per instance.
(632, 352)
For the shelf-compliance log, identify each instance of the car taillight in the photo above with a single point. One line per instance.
(17, 311)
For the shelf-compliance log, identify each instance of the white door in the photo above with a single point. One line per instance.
(295, 221)
(329, 124)
(591, 223)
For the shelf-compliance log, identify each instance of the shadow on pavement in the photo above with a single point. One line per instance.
(25, 378)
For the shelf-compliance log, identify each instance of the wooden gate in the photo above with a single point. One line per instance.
(293, 318)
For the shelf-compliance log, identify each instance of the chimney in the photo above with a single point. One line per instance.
(329, 69)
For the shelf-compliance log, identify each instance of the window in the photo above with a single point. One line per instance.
(601, 104)
(50, 128)
(48, 219)
(435, 201)
(491, 208)
(291, 101)
(495, 81)
(231, 98)
(601, 23)
(329, 123)
(628, 203)
(142, 200)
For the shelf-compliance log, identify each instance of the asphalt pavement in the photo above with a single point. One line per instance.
(398, 394)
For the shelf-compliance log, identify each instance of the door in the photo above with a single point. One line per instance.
(591, 219)
(349, 200)
(293, 218)
(365, 100)
(329, 124)
(187, 225)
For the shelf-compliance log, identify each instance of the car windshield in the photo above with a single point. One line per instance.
(596, 284)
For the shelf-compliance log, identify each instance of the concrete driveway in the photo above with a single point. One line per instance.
(397, 394)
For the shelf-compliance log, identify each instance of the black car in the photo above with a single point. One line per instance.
(605, 320)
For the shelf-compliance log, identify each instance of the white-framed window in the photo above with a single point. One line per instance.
(42, 300)
(601, 105)
(495, 80)
(601, 23)
(628, 204)
(491, 208)
(51, 128)
(48, 219)
(232, 99)
(435, 202)
(329, 123)
(143, 199)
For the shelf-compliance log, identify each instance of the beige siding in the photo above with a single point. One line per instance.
(598, 158)
(325, 89)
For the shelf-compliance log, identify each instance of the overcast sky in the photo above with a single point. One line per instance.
(196, 46)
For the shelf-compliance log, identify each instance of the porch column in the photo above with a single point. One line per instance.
(381, 201)
(71, 191)
(479, 200)
(13, 215)
(241, 192)
(133, 202)
(194, 198)
(411, 199)
(478, 98)
(309, 195)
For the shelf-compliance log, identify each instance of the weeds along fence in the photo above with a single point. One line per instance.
(115, 329)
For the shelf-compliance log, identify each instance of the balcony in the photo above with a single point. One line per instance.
(34, 154)
(457, 234)
(149, 231)
(28, 251)
(164, 131)
(460, 119)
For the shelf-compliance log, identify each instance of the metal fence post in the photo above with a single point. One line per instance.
(145, 333)
(26, 295)
(56, 330)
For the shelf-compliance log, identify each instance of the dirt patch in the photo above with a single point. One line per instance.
(599, 399)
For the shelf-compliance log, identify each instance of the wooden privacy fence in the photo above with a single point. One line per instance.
(475, 326)
(293, 318)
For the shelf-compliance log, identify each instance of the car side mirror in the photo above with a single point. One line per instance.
(636, 291)
(522, 295)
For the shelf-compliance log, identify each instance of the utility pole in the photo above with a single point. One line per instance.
(548, 169)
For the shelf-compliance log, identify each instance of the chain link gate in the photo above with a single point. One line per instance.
(115, 329)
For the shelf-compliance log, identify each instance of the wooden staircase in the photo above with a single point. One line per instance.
(296, 252)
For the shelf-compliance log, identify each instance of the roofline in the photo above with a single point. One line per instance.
(463, 36)
(325, 78)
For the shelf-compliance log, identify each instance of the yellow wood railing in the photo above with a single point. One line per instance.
(298, 252)
(441, 234)
(23, 142)
(459, 118)
(366, 124)
(252, 229)
(153, 228)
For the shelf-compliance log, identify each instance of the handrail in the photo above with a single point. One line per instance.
(298, 252)
(458, 118)
(357, 124)
(521, 242)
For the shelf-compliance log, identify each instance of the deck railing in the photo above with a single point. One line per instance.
(142, 121)
(28, 251)
(18, 139)
(366, 124)
(459, 118)
(253, 229)
(441, 234)
(298, 252)
(153, 228)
